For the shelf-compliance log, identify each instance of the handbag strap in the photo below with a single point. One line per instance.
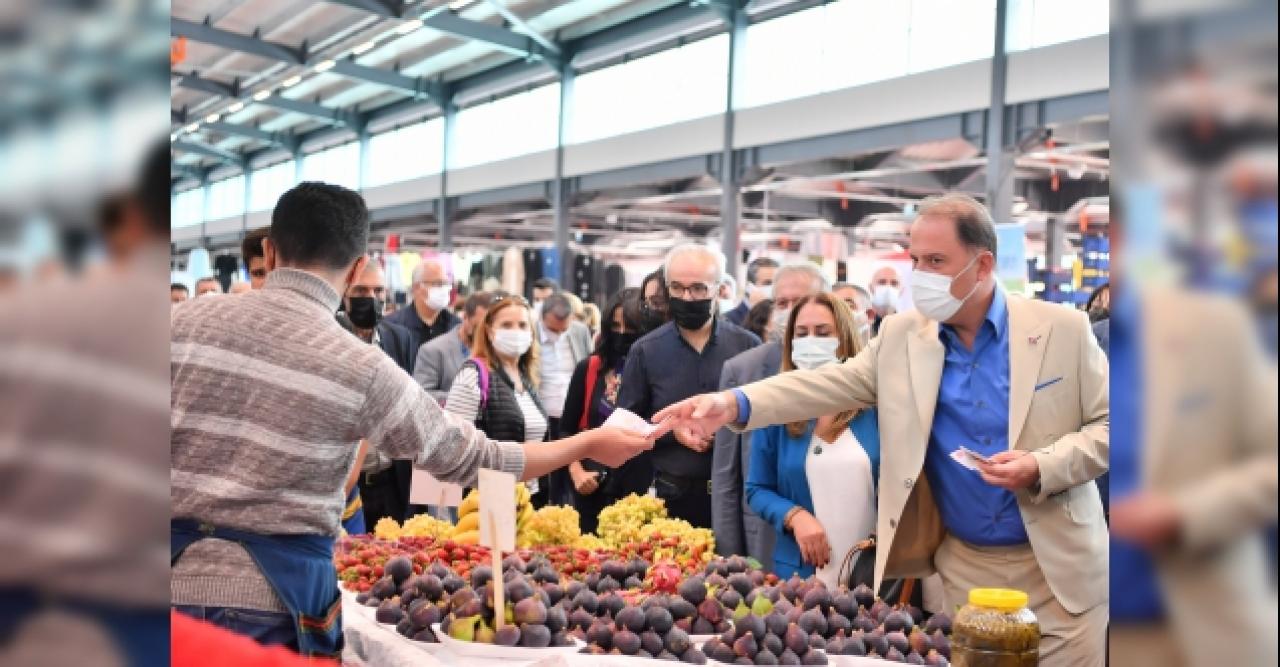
(846, 566)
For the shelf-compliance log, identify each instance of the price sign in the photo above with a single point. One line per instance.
(427, 490)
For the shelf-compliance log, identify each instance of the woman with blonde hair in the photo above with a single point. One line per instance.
(497, 387)
(815, 481)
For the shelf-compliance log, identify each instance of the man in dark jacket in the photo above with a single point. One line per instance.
(759, 287)
(384, 484)
(427, 315)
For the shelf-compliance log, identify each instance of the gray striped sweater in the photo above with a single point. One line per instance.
(270, 396)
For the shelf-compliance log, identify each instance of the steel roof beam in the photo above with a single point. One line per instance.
(188, 146)
(207, 34)
(416, 86)
(281, 139)
(524, 27)
(391, 9)
(327, 114)
(501, 38)
(195, 82)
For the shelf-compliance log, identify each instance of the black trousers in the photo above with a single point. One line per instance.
(687, 498)
(381, 498)
(559, 483)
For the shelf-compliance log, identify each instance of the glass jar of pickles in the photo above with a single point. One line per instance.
(996, 629)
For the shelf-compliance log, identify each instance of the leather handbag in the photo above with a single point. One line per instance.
(859, 568)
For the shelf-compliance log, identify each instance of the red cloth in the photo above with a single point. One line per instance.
(196, 643)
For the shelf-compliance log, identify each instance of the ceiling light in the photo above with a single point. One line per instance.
(173, 137)
(408, 27)
(191, 128)
(262, 95)
(324, 66)
(291, 81)
(212, 118)
(235, 107)
(362, 48)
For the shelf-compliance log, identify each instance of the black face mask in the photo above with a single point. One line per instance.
(690, 315)
(365, 311)
(622, 343)
(652, 319)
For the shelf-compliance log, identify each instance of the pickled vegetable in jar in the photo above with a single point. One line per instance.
(996, 629)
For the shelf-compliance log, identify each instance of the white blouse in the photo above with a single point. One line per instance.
(844, 497)
(464, 401)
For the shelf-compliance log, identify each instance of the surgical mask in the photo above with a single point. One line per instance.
(622, 343)
(762, 291)
(884, 298)
(727, 305)
(364, 311)
(438, 297)
(690, 315)
(778, 323)
(931, 293)
(814, 351)
(512, 342)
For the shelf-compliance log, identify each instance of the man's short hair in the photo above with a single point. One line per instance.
(178, 286)
(753, 269)
(476, 302)
(557, 305)
(320, 225)
(251, 246)
(974, 225)
(806, 268)
(546, 283)
(685, 249)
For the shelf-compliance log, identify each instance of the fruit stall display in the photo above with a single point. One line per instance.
(633, 592)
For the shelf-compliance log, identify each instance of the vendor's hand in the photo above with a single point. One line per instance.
(701, 416)
(1013, 470)
(614, 446)
(1146, 519)
(693, 441)
(812, 539)
(586, 482)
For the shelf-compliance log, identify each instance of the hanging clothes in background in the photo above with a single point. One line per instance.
(408, 262)
(396, 286)
(460, 270)
(224, 269)
(512, 271)
(615, 279)
(551, 264)
(198, 264)
(532, 272)
(475, 276)
(584, 280)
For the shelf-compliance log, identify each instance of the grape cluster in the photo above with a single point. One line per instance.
(621, 522)
(552, 525)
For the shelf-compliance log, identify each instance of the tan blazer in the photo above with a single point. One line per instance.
(1210, 444)
(1064, 425)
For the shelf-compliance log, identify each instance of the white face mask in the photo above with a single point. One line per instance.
(727, 305)
(762, 291)
(512, 342)
(931, 293)
(814, 351)
(884, 298)
(438, 298)
(778, 324)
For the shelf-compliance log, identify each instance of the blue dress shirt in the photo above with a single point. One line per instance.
(973, 411)
(1135, 595)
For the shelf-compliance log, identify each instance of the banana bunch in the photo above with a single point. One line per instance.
(467, 530)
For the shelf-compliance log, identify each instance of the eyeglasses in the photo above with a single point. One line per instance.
(696, 290)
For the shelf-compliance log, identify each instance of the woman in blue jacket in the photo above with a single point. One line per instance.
(815, 481)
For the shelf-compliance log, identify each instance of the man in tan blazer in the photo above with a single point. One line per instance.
(1191, 495)
(1021, 382)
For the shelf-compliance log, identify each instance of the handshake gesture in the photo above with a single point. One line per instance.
(695, 420)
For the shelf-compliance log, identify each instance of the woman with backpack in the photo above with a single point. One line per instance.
(497, 387)
(591, 398)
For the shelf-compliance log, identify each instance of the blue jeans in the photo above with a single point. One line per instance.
(269, 628)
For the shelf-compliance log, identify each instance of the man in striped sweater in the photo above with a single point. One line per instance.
(270, 397)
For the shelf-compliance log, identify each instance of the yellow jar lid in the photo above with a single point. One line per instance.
(1004, 599)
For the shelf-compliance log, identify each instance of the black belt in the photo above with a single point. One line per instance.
(371, 479)
(682, 484)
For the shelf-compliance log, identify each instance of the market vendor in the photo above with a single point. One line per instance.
(1021, 383)
(270, 397)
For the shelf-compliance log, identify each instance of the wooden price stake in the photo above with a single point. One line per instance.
(498, 529)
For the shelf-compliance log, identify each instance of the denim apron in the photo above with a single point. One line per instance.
(299, 569)
(353, 515)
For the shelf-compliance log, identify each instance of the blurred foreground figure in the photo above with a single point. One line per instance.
(84, 422)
